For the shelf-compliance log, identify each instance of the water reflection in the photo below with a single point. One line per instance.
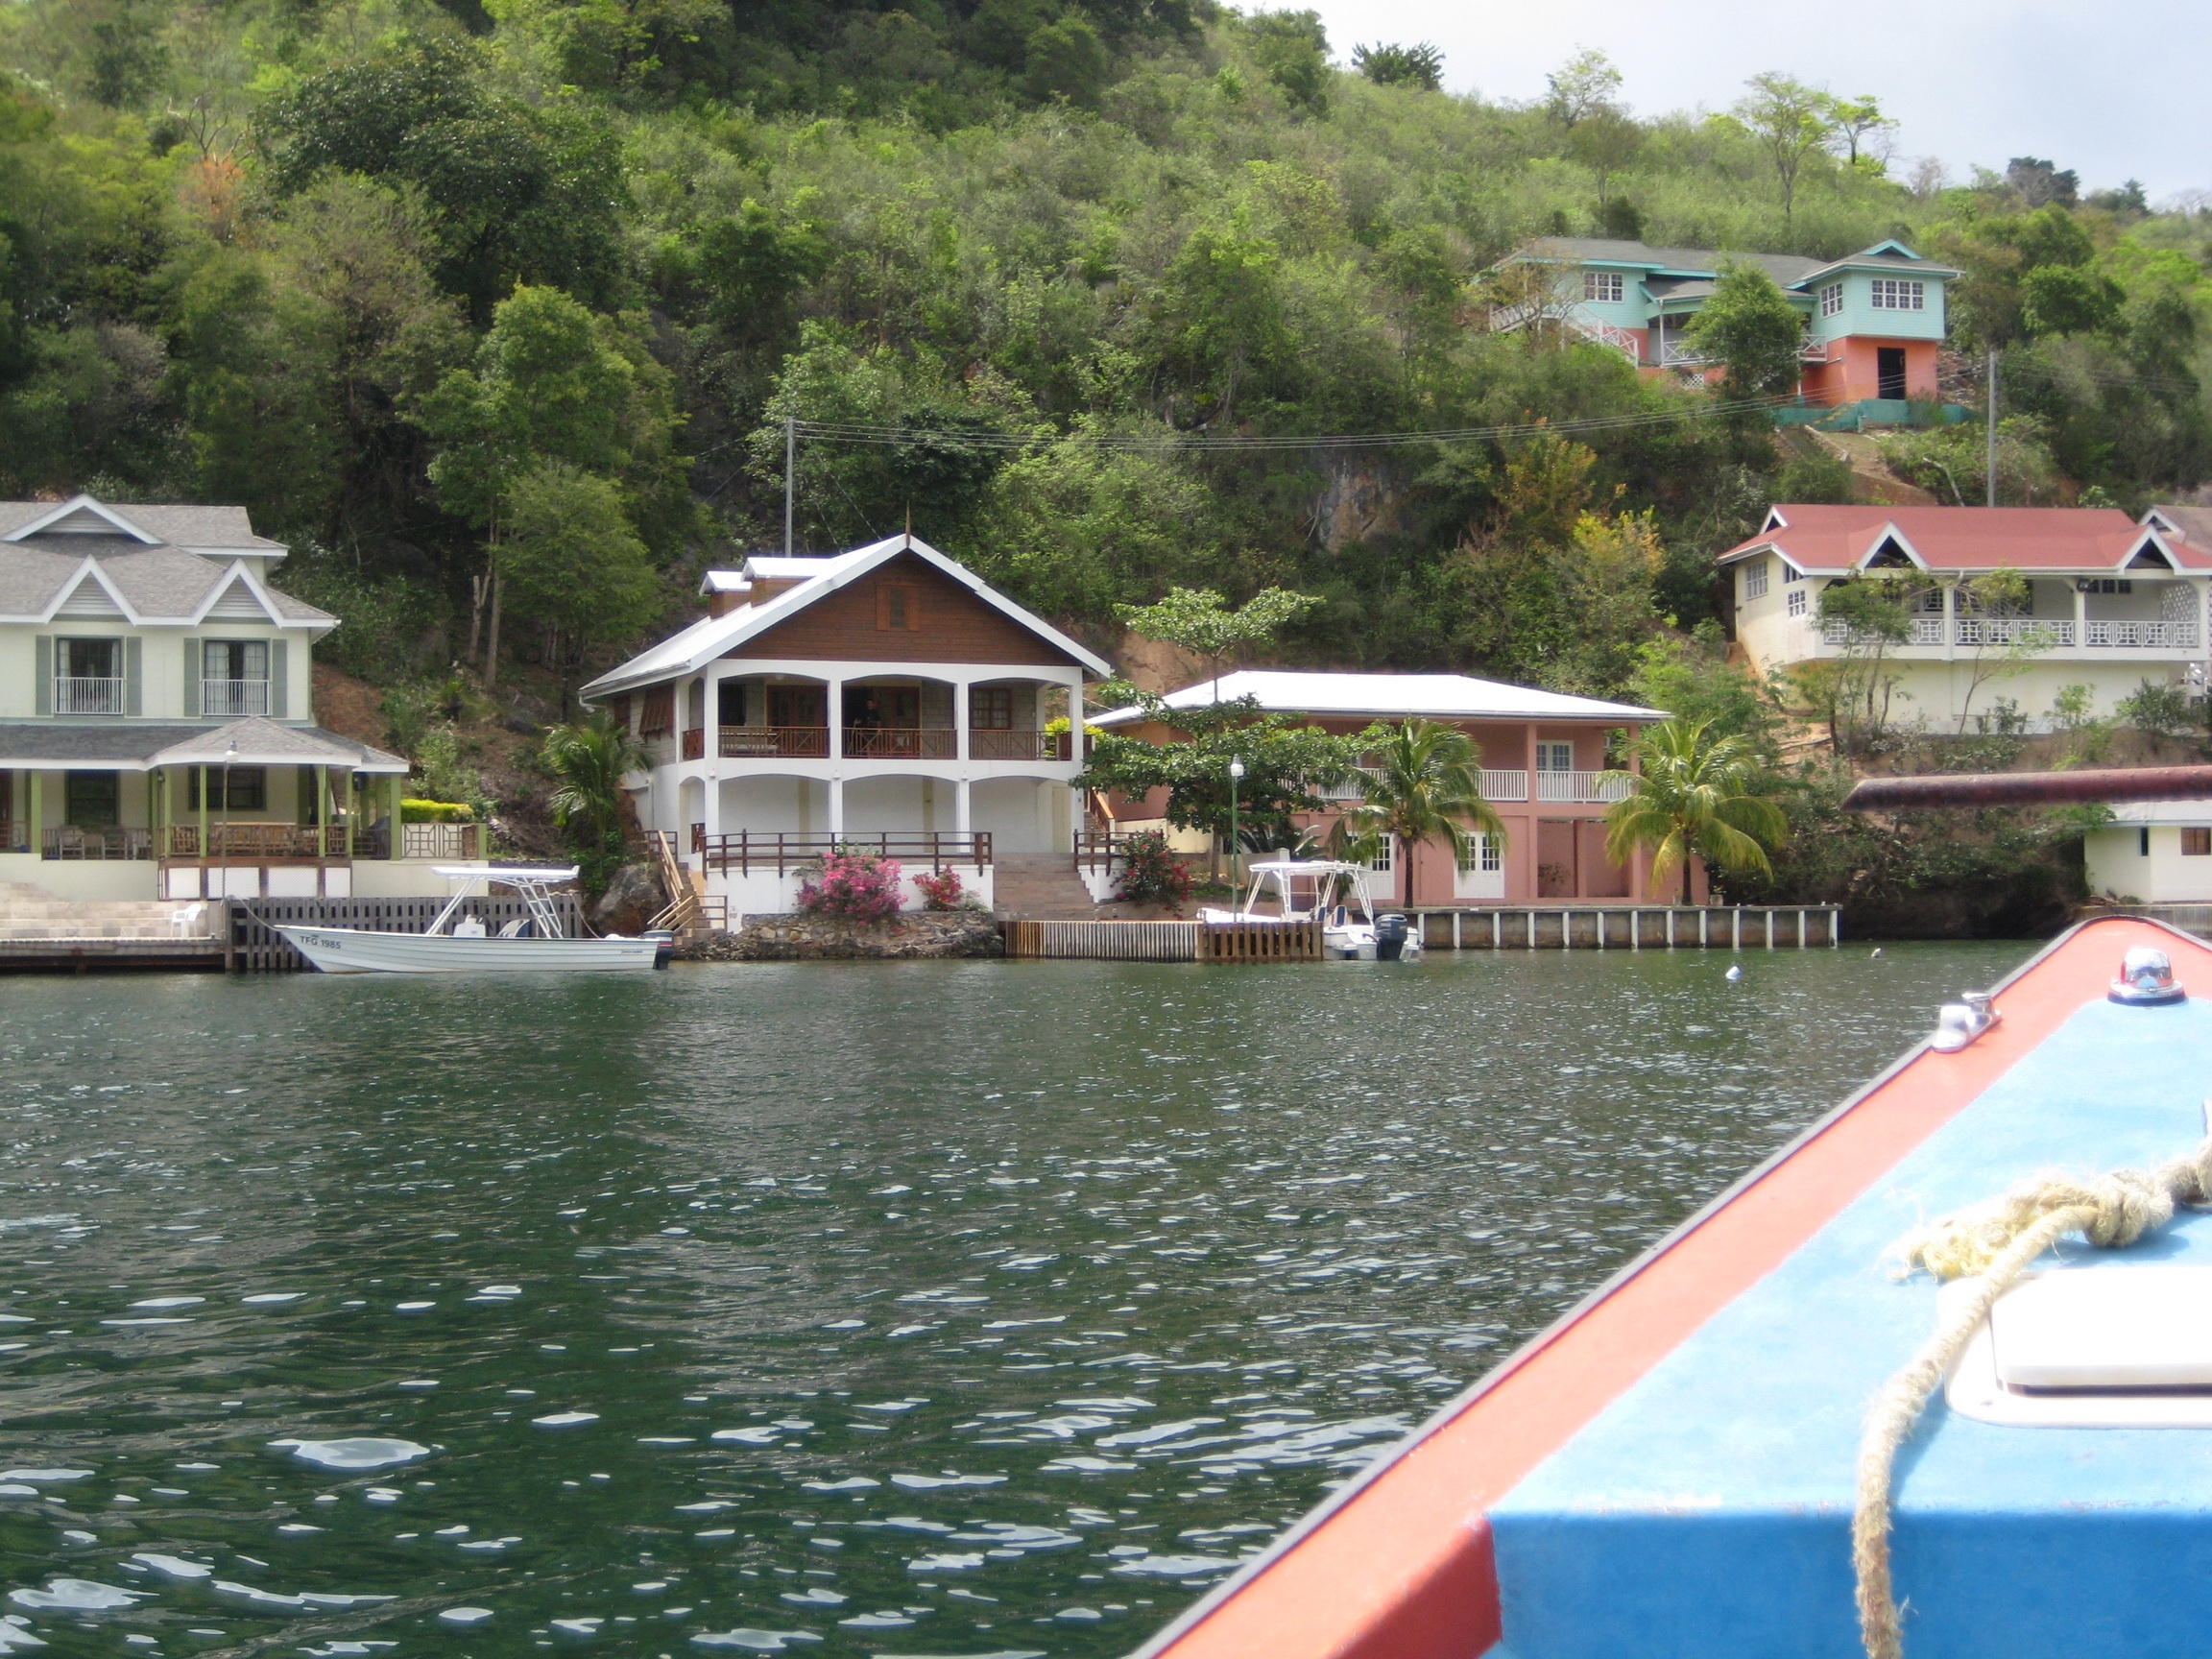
(844, 1309)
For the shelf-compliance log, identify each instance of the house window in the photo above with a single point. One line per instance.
(1489, 853)
(1755, 579)
(1831, 298)
(2197, 843)
(1381, 862)
(92, 800)
(1554, 757)
(1929, 602)
(991, 709)
(1895, 294)
(245, 791)
(2106, 585)
(1790, 573)
(2143, 842)
(1797, 605)
(88, 677)
(658, 716)
(234, 677)
(898, 607)
(1606, 287)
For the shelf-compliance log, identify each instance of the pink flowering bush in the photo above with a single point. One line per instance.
(942, 891)
(853, 885)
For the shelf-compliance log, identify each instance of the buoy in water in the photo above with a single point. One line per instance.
(1734, 974)
(1876, 951)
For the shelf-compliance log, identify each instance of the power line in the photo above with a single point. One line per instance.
(874, 432)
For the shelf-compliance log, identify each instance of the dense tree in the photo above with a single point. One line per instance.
(1750, 328)
(1419, 64)
(1790, 122)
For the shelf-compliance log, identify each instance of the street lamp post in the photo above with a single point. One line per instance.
(1236, 879)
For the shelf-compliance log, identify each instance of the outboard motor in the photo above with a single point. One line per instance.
(664, 945)
(1389, 937)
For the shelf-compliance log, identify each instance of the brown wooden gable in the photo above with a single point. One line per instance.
(903, 611)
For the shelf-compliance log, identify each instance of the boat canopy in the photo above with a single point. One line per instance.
(543, 875)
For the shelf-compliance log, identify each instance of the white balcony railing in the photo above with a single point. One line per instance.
(76, 694)
(2013, 631)
(1497, 785)
(2144, 636)
(1505, 785)
(1975, 633)
(233, 697)
(1580, 787)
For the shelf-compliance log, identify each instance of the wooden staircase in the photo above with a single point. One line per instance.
(691, 912)
(1039, 887)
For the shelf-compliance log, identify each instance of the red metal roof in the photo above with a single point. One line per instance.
(1830, 539)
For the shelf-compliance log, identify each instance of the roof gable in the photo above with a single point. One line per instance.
(80, 516)
(1821, 539)
(688, 649)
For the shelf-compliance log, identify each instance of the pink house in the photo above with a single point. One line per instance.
(1541, 753)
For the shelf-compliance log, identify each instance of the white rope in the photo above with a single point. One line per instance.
(1996, 1240)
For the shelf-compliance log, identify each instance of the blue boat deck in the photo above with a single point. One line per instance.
(1706, 1509)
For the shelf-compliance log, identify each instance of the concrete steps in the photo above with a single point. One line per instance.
(1039, 887)
(29, 912)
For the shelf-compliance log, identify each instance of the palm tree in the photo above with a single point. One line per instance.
(1427, 782)
(1692, 797)
(589, 761)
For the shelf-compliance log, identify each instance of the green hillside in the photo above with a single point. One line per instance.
(417, 282)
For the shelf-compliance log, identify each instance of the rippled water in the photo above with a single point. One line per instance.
(840, 1310)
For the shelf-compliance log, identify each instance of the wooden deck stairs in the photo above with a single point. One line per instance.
(1038, 887)
(691, 912)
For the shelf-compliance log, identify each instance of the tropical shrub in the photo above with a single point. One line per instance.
(941, 890)
(1150, 874)
(855, 886)
(418, 811)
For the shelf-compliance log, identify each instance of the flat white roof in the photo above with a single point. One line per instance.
(2197, 812)
(1391, 696)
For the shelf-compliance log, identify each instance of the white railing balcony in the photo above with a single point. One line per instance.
(76, 694)
(1352, 788)
(1505, 785)
(233, 697)
(1927, 631)
(2013, 631)
(1581, 786)
(2143, 635)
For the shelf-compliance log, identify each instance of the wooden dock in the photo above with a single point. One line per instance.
(1489, 928)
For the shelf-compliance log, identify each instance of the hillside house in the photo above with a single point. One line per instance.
(1541, 752)
(883, 699)
(155, 735)
(2111, 603)
(1873, 319)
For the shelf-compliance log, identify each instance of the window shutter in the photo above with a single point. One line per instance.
(193, 653)
(42, 666)
(279, 696)
(134, 697)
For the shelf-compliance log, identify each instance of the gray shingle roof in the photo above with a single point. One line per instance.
(1787, 268)
(127, 747)
(160, 582)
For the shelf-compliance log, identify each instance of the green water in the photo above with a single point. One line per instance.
(943, 1308)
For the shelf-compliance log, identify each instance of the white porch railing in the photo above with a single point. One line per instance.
(1580, 787)
(2013, 630)
(75, 694)
(1505, 785)
(2145, 636)
(233, 697)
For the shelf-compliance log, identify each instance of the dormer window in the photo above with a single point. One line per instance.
(233, 678)
(1605, 287)
(88, 677)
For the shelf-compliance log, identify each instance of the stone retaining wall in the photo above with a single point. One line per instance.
(822, 938)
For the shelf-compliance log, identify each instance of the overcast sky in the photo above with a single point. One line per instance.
(2087, 83)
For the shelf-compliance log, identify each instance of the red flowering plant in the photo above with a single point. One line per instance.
(855, 886)
(1150, 874)
(941, 891)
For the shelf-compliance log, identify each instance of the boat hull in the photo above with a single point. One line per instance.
(363, 951)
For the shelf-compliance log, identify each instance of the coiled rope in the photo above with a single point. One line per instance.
(1996, 1240)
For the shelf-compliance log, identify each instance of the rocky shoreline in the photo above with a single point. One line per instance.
(957, 933)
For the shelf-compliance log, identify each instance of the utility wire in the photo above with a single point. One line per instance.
(873, 432)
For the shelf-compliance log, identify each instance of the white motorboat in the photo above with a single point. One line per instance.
(456, 942)
(1300, 889)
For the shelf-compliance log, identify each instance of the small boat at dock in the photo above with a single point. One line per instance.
(457, 942)
(1299, 891)
(1901, 1391)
